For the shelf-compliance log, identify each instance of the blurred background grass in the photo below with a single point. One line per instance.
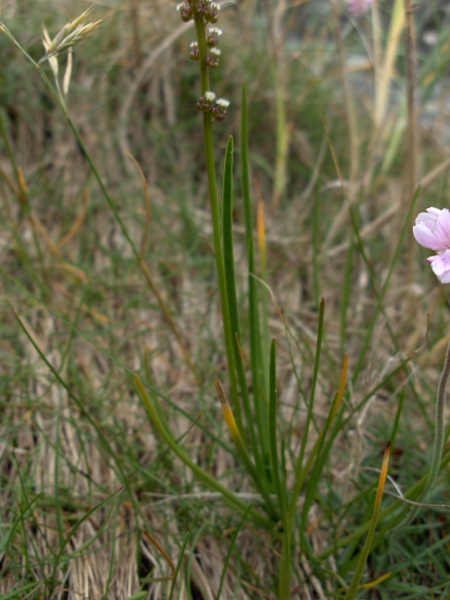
(69, 274)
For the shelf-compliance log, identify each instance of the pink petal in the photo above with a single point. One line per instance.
(441, 266)
(427, 238)
(443, 227)
(432, 229)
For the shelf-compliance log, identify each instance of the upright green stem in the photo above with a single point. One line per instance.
(215, 215)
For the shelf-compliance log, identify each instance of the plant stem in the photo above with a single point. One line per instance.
(215, 216)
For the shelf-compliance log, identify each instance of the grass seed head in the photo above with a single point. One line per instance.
(71, 34)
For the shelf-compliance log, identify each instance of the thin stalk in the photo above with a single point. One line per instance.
(362, 559)
(284, 583)
(317, 240)
(350, 113)
(215, 217)
(411, 133)
(273, 402)
(262, 246)
(300, 474)
(346, 294)
(276, 38)
(322, 447)
(383, 75)
(228, 556)
(178, 567)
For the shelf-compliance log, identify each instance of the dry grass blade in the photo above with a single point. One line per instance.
(147, 205)
(163, 554)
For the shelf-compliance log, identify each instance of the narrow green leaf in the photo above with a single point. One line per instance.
(230, 279)
(300, 474)
(284, 584)
(259, 377)
(234, 502)
(362, 559)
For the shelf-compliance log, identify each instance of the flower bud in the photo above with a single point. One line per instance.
(212, 39)
(194, 53)
(219, 110)
(185, 11)
(201, 8)
(206, 102)
(212, 60)
(213, 12)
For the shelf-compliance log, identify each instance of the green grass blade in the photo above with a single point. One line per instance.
(86, 414)
(178, 567)
(234, 502)
(273, 402)
(284, 584)
(241, 447)
(229, 553)
(77, 525)
(259, 377)
(300, 474)
(353, 588)
(230, 280)
(321, 449)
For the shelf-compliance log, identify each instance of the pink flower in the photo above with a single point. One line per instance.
(358, 7)
(432, 230)
(441, 265)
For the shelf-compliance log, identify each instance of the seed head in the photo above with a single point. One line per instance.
(72, 33)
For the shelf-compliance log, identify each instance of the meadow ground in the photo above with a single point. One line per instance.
(121, 488)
